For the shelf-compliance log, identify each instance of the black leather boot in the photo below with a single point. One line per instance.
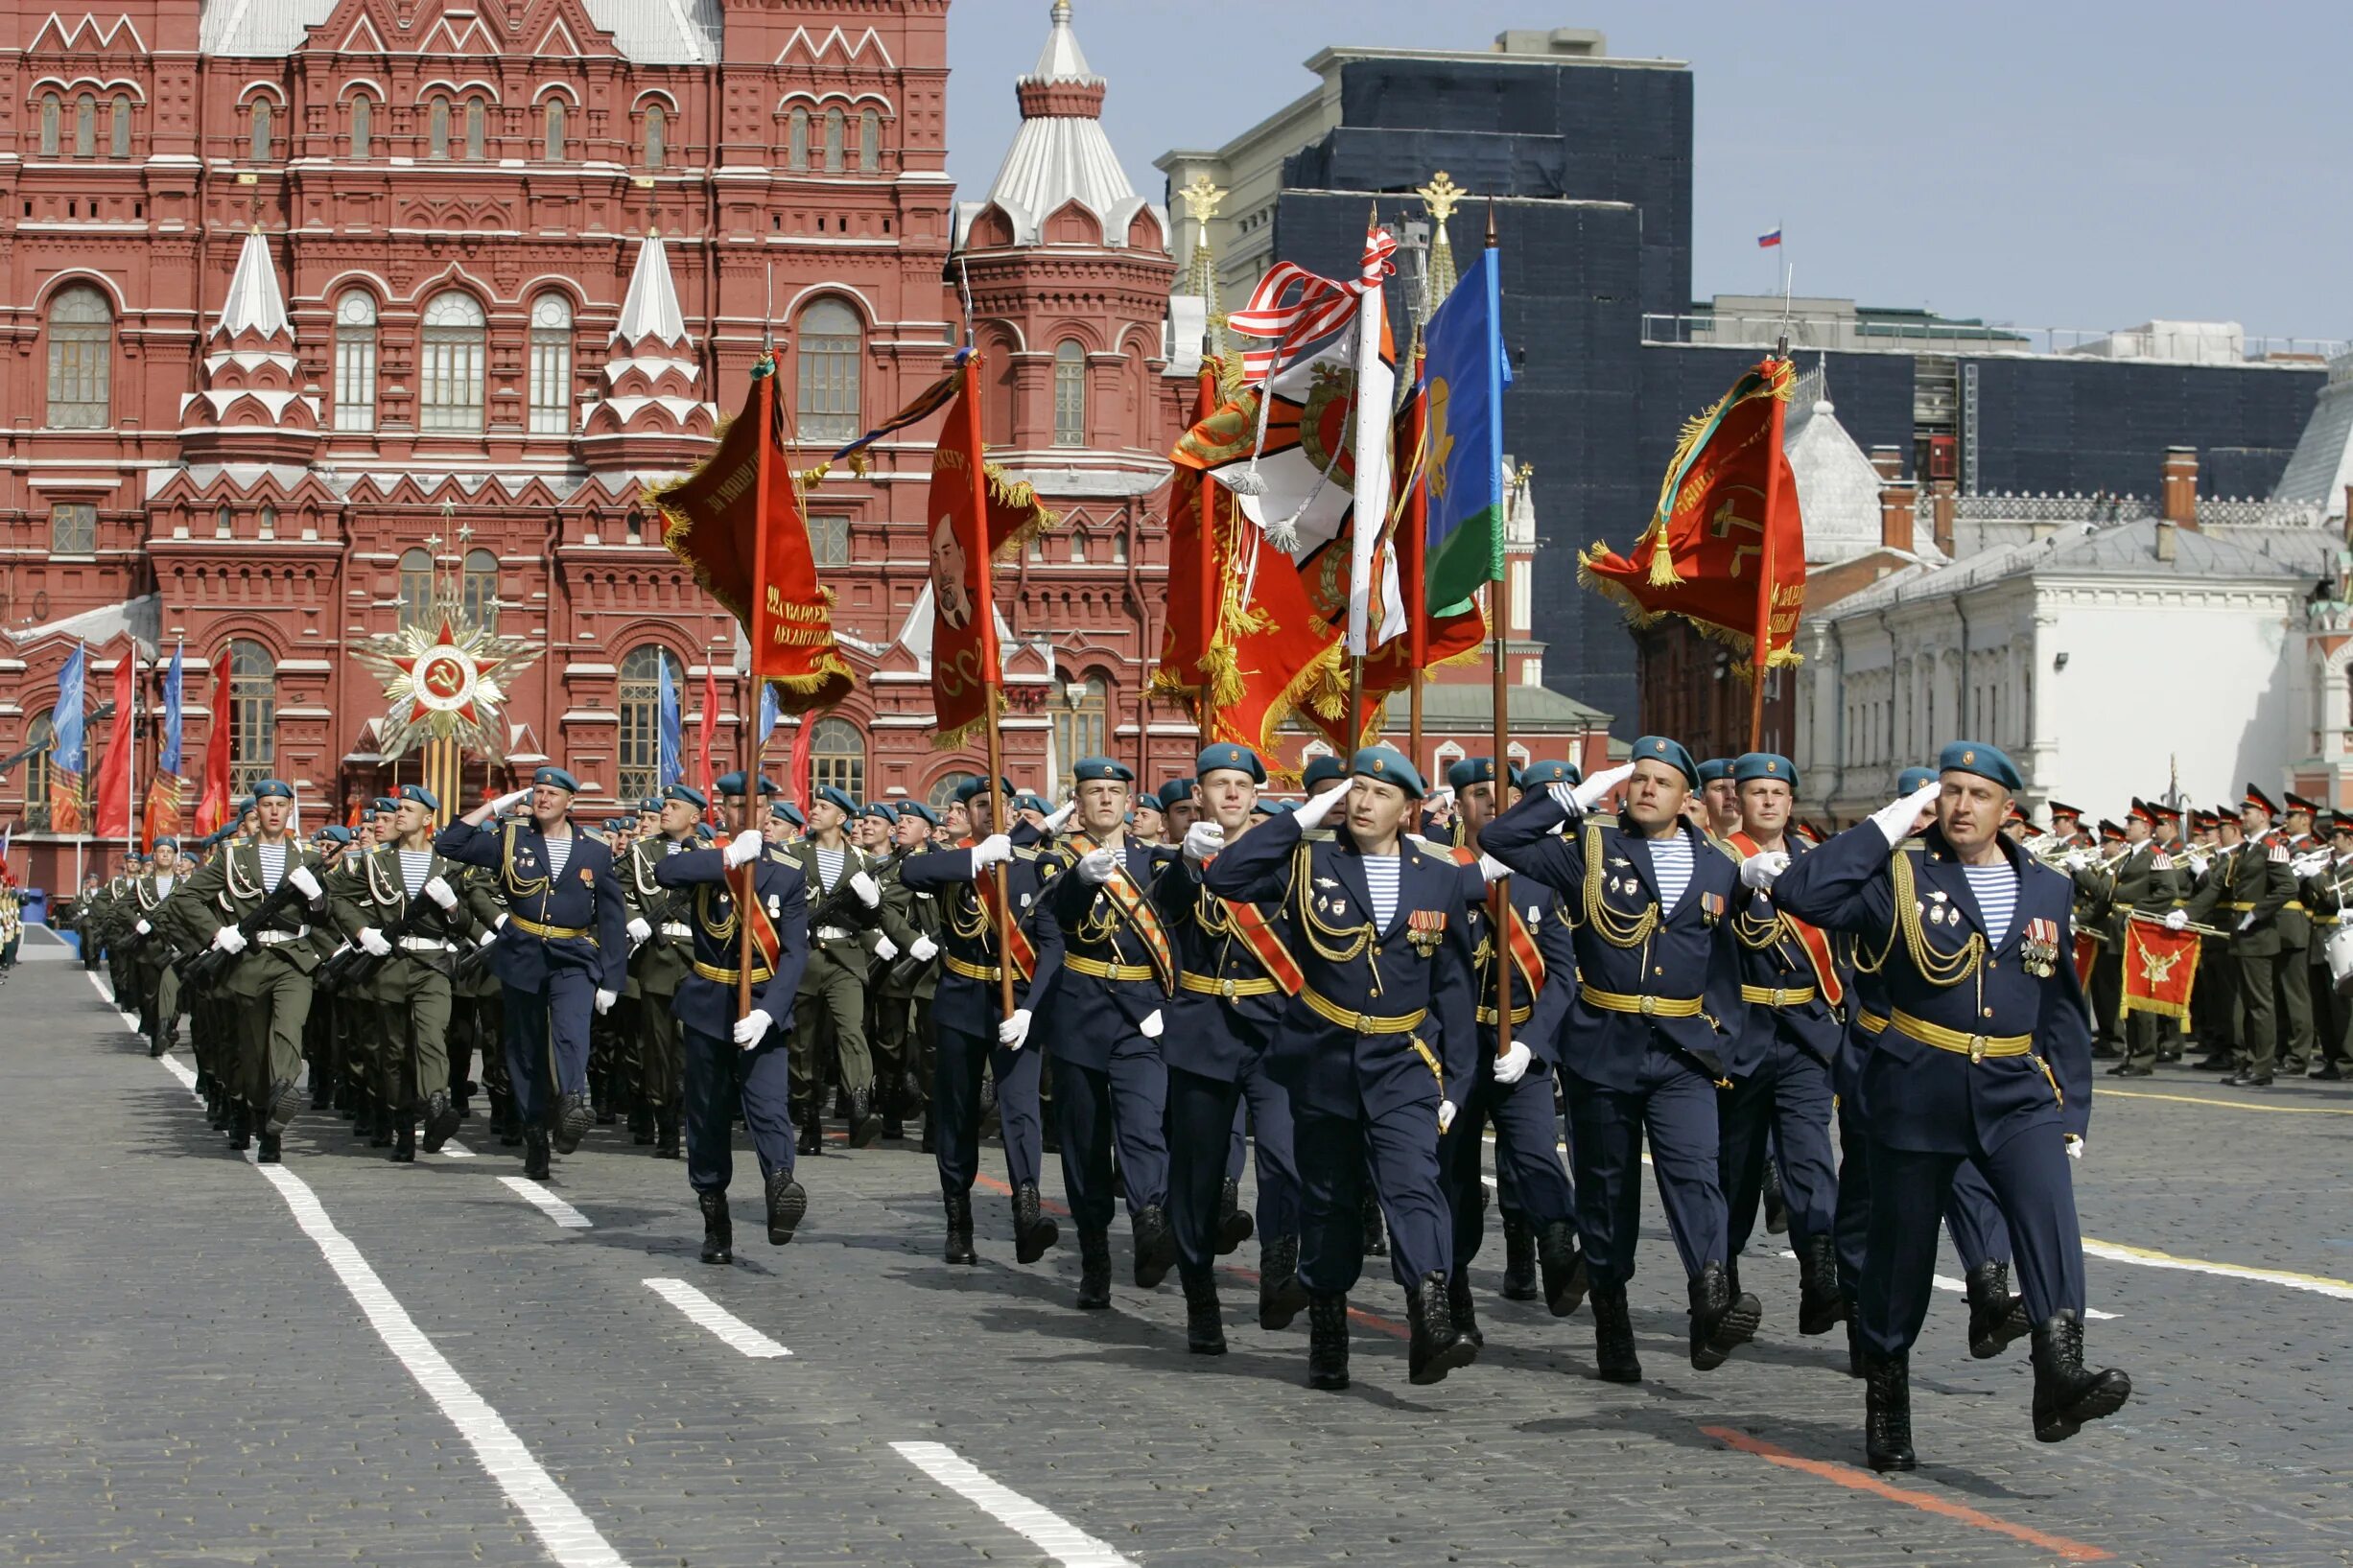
(1156, 1249)
(1721, 1319)
(1461, 1310)
(1613, 1354)
(1093, 1270)
(1564, 1277)
(1233, 1227)
(379, 1125)
(1886, 1412)
(240, 1126)
(1820, 1305)
(1376, 1234)
(787, 1205)
(535, 1153)
(269, 1154)
(864, 1125)
(959, 1248)
(322, 1091)
(665, 1133)
(1777, 1206)
(1855, 1339)
(1327, 1342)
(285, 1100)
(404, 1138)
(1996, 1317)
(1281, 1296)
(1436, 1348)
(888, 1093)
(719, 1231)
(1033, 1233)
(1518, 1259)
(811, 1139)
(571, 1122)
(641, 1124)
(1205, 1334)
(2065, 1394)
(440, 1120)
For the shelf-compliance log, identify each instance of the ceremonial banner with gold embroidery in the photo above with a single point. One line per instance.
(2160, 968)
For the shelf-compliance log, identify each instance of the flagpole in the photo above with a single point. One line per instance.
(1411, 558)
(1761, 652)
(1212, 585)
(992, 659)
(748, 897)
(1499, 894)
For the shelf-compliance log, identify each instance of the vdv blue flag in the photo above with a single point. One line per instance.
(768, 711)
(670, 762)
(1464, 369)
(167, 760)
(65, 753)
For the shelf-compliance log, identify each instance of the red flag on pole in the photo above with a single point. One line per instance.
(212, 808)
(709, 725)
(796, 765)
(114, 795)
(2160, 968)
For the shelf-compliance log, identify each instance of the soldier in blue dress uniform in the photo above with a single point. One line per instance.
(1654, 1028)
(561, 953)
(1379, 1038)
(740, 1063)
(974, 1033)
(1986, 1055)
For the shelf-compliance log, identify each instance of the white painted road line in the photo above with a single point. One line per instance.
(454, 1150)
(571, 1539)
(548, 1203)
(730, 1329)
(1049, 1531)
(2318, 1284)
(1945, 1281)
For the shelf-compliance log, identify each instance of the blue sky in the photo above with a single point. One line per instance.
(2065, 164)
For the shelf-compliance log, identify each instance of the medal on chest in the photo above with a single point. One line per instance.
(2038, 947)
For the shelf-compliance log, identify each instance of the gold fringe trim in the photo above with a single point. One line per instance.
(994, 707)
(1696, 431)
(1020, 496)
(1642, 616)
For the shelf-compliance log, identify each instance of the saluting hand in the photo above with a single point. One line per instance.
(1312, 814)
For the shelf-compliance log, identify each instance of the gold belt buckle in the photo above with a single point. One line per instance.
(1364, 1024)
(1977, 1047)
(1650, 1006)
(1225, 987)
(1780, 996)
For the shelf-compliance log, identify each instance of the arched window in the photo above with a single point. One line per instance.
(554, 149)
(1079, 709)
(38, 734)
(266, 522)
(85, 126)
(416, 576)
(479, 591)
(838, 757)
(475, 115)
(81, 359)
(253, 715)
(551, 369)
(363, 127)
(796, 142)
(1069, 394)
(832, 141)
(436, 134)
(870, 140)
(640, 742)
(655, 129)
(943, 793)
(831, 347)
(450, 363)
(223, 522)
(52, 114)
(355, 358)
(262, 114)
(119, 129)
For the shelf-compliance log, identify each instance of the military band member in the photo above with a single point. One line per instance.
(2147, 883)
(2296, 1010)
(560, 955)
(1379, 1038)
(829, 1013)
(2329, 894)
(901, 990)
(2244, 895)
(662, 955)
(740, 1060)
(974, 1033)
(1987, 1056)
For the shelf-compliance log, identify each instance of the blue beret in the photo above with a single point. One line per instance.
(684, 796)
(703, 831)
(1026, 801)
(789, 812)
(1149, 802)
(652, 803)
(274, 788)
(1913, 777)
(1658, 748)
(1983, 760)
(1101, 770)
(1714, 768)
(732, 783)
(386, 802)
(830, 795)
(967, 789)
(1173, 791)
(1537, 775)
(167, 843)
(423, 796)
(1319, 768)
(1266, 806)
(1388, 765)
(917, 808)
(558, 777)
(1764, 764)
(1477, 770)
(1226, 755)
(335, 832)
(881, 810)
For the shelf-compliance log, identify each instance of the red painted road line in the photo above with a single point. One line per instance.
(1863, 1481)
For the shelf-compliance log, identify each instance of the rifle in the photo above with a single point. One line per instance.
(206, 966)
(352, 964)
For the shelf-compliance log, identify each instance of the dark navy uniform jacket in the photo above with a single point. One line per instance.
(1091, 1014)
(707, 1004)
(968, 936)
(1216, 1037)
(586, 898)
(1421, 963)
(1541, 910)
(1773, 957)
(1921, 1097)
(1688, 956)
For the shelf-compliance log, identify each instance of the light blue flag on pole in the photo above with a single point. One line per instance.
(672, 763)
(1466, 370)
(768, 711)
(167, 760)
(65, 752)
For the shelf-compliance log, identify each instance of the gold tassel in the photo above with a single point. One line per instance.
(1662, 560)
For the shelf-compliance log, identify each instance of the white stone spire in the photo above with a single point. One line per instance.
(254, 303)
(1061, 59)
(650, 310)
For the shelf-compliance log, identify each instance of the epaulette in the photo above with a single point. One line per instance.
(1726, 847)
(1023, 851)
(1317, 835)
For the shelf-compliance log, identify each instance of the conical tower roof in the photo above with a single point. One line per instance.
(650, 310)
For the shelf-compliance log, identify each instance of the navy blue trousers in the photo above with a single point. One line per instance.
(957, 1066)
(548, 1022)
(719, 1076)
(1530, 1183)
(1782, 1109)
(1401, 1148)
(1204, 1150)
(1675, 1103)
(1126, 1103)
(2036, 1196)
(1970, 1212)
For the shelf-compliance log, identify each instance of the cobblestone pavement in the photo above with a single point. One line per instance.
(372, 1364)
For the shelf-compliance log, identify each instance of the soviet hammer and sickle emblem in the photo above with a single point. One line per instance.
(1725, 521)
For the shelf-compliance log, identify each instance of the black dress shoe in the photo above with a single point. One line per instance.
(2248, 1079)
(1722, 1317)
(787, 1204)
(1093, 1270)
(959, 1245)
(2065, 1394)
(440, 1121)
(1233, 1227)
(1887, 1418)
(719, 1231)
(1205, 1332)
(2215, 1063)
(2328, 1073)
(1614, 1360)
(1518, 1259)
(1327, 1341)
(1281, 1296)
(1564, 1277)
(1996, 1316)
(2129, 1070)
(1033, 1233)
(1155, 1248)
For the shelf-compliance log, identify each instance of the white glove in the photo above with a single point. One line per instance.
(2246, 921)
(1493, 868)
(1097, 866)
(1513, 1065)
(2075, 1147)
(1895, 821)
(2198, 863)
(1015, 1030)
(1590, 793)
(1202, 842)
(869, 891)
(229, 939)
(885, 949)
(2311, 863)
(1313, 813)
(605, 1000)
(1759, 871)
(440, 893)
(1054, 822)
(994, 850)
(372, 943)
(143, 928)
(509, 801)
(1445, 1114)
(2177, 919)
(1153, 1026)
(640, 932)
(492, 934)
(924, 948)
(302, 878)
(752, 1029)
(745, 846)
(2077, 860)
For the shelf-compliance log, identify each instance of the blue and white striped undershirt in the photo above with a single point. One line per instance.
(829, 866)
(416, 865)
(559, 855)
(1996, 888)
(1671, 864)
(272, 858)
(1381, 873)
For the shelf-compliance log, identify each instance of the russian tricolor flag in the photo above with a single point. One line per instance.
(1766, 242)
